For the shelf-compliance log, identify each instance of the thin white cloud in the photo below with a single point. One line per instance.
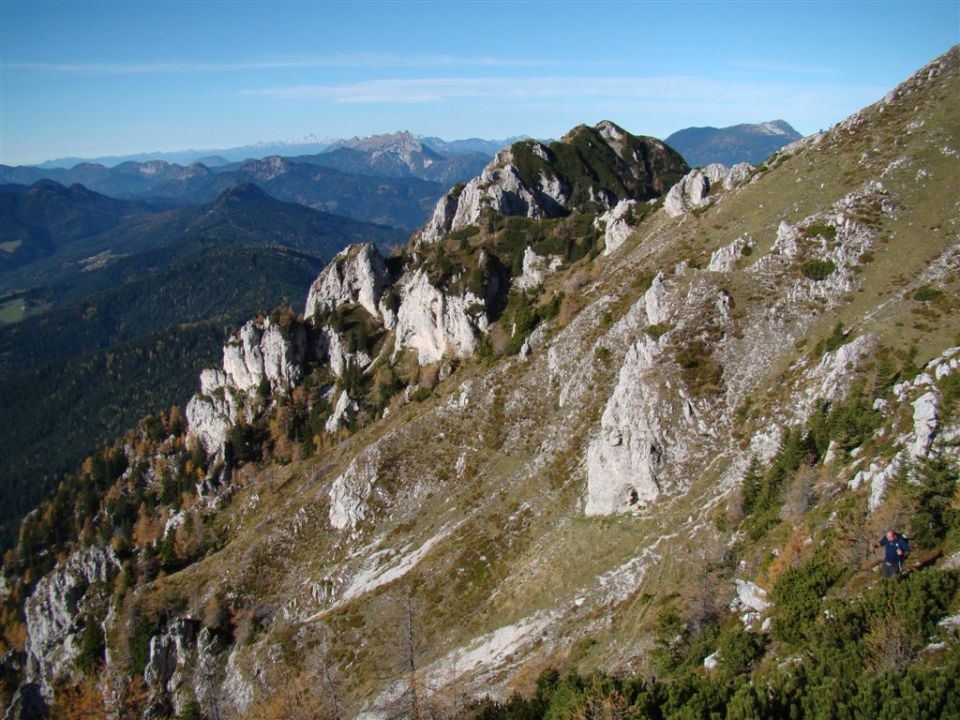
(355, 60)
(438, 89)
(765, 66)
(648, 104)
(680, 88)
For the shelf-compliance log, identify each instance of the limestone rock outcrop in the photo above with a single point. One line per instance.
(536, 268)
(925, 418)
(433, 322)
(724, 259)
(617, 225)
(624, 460)
(358, 275)
(57, 610)
(262, 355)
(350, 490)
(694, 189)
(499, 188)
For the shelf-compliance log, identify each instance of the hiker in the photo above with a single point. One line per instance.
(896, 548)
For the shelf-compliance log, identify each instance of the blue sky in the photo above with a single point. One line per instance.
(88, 79)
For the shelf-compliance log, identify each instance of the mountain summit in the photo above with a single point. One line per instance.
(590, 169)
(399, 155)
(701, 146)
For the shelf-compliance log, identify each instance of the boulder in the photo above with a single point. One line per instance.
(725, 258)
(750, 596)
(536, 268)
(692, 191)
(350, 490)
(925, 420)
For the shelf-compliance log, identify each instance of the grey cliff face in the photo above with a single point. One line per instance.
(58, 608)
(434, 323)
(262, 356)
(499, 188)
(358, 275)
(258, 354)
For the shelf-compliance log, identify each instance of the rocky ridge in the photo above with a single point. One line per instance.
(590, 168)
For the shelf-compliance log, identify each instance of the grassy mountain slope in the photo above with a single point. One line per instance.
(800, 320)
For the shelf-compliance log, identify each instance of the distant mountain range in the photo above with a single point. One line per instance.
(53, 232)
(471, 145)
(39, 221)
(403, 202)
(387, 179)
(701, 146)
(400, 155)
(308, 145)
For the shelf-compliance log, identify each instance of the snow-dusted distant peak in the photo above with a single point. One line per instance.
(305, 140)
(774, 127)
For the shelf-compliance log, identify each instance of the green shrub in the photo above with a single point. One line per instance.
(797, 599)
(837, 339)
(817, 270)
(849, 422)
(752, 485)
(191, 712)
(823, 230)
(657, 331)
(931, 500)
(738, 649)
(91, 646)
(702, 372)
(950, 392)
(421, 394)
(926, 293)
(836, 674)
(244, 443)
(354, 380)
(391, 299)
(139, 643)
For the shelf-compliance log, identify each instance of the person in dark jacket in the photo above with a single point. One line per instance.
(895, 550)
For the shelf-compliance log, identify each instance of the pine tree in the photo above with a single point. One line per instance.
(752, 481)
(931, 497)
